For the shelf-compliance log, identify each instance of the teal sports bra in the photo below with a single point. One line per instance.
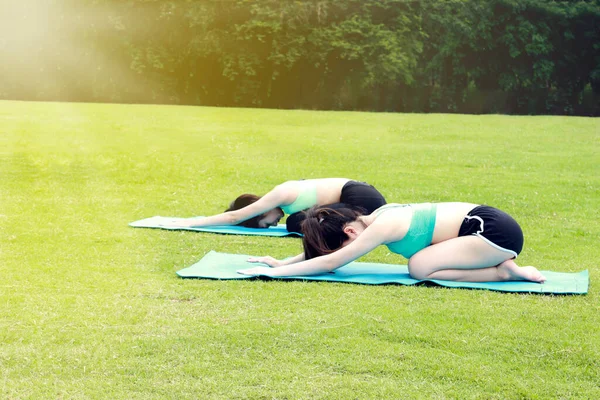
(420, 232)
(305, 200)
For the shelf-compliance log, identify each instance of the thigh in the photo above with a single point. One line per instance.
(360, 194)
(465, 252)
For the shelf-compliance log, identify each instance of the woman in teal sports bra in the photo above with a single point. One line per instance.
(446, 241)
(292, 198)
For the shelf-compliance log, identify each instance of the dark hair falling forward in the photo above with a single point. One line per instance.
(323, 229)
(243, 201)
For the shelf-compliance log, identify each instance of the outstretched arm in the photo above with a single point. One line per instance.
(363, 244)
(271, 200)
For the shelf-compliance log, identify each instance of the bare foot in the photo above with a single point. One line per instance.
(510, 271)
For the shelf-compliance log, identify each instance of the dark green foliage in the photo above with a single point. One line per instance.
(507, 56)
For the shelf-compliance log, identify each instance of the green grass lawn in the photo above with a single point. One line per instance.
(91, 308)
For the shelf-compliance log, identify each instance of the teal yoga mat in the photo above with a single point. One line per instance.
(216, 265)
(156, 222)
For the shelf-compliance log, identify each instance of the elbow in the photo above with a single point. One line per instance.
(331, 266)
(233, 218)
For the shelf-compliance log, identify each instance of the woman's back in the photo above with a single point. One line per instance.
(327, 190)
(399, 217)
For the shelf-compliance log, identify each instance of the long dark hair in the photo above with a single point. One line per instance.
(243, 201)
(323, 228)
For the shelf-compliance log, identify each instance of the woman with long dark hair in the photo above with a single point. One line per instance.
(446, 241)
(292, 197)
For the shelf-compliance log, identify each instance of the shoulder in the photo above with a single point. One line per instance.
(286, 191)
(286, 186)
(387, 225)
(383, 221)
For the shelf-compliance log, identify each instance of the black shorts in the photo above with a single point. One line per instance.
(495, 227)
(362, 195)
(355, 194)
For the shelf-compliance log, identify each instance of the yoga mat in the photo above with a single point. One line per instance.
(155, 222)
(216, 265)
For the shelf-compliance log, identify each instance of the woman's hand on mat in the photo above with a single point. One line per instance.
(179, 223)
(270, 261)
(174, 223)
(256, 271)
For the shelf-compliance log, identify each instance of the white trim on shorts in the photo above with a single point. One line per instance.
(479, 234)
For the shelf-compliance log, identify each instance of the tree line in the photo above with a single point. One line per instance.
(468, 56)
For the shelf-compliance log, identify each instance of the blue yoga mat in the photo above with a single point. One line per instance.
(216, 265)
(155, 222)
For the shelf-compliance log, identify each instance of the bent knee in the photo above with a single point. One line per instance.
(417, 267)
(294, 221)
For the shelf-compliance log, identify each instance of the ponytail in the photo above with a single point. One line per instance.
(323, 228)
